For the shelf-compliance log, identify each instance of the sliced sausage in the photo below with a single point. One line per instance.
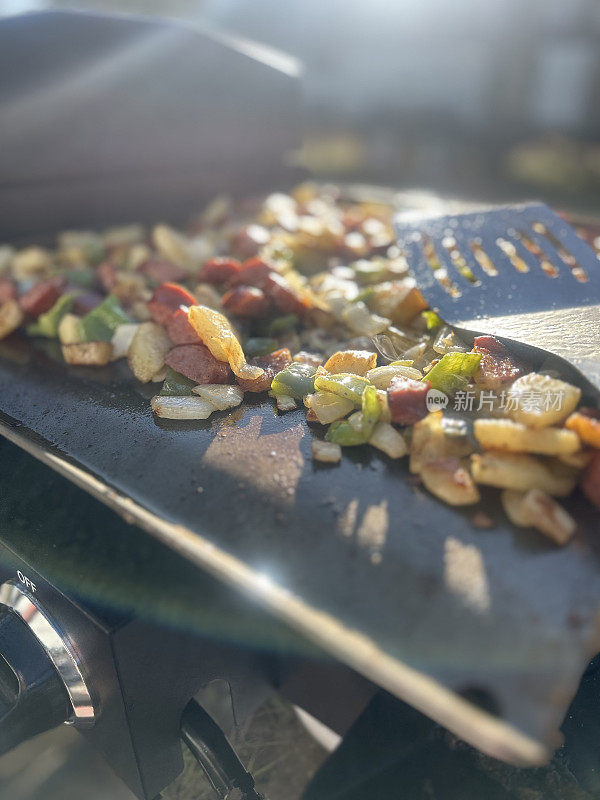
(590, 483)
(107, 275)
(283, 296)
(8, 291)
(489, 344)
(497, 366)
(179, 329)
(249, 240)
(246, 301)
(272, 363)
(197, 363)
(166, 300)
(219, 270)
(253, 272)
(407, 400)
(41, 297)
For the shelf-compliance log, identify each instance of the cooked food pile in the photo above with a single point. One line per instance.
(307, 299)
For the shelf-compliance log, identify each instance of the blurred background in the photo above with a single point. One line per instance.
(480, 99)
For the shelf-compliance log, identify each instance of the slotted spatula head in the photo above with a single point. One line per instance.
(515, 271)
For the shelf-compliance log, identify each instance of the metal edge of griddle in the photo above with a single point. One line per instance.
(487, 733)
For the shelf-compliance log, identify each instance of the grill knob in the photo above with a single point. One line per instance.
(41, 684)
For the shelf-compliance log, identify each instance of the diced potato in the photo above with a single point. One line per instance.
(358, 362)
(539, 400)
(217, 334)
(181, 407)
(428, 441)
(147, 351)
(159, 376)
(327, 452)
(88, 353)
(222, 396)
(328, 407)
(522, 472)
(449, 480)
(586, 427)
(512, 502)
(121, 339)
(285, 402)
(70, 330)
(504, 434)
(401, 301)
(11, 317)
(389, 440)
(537, 509)
(381, 377)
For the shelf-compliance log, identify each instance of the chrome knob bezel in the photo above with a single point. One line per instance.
(56, 648)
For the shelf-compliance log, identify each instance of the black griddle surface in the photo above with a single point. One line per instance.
(498, 614)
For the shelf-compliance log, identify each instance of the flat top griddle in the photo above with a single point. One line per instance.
(356, 556)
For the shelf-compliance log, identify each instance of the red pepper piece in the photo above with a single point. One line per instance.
(84, 302)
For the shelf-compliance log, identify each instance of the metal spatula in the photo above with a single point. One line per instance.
(519, 272)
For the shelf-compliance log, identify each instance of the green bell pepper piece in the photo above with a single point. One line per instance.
(297, 380)
(344, 384)
(432, 320)
(84, 277)
(343, 433)
(176, 385)
(101, 322)
(453, 371)
(282, 324)
(407, 362)
(259, 346)
(47, 324)
(370, 410)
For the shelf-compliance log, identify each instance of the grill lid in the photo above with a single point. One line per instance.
(107, 119)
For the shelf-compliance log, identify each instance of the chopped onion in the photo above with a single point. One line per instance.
(122, 338)
(328, 407)
(381, 377)
(285, 402)
(360, 320)
(389, 440)
(447, 342)
(181, 407)
(328, 452)
(216, 332)
(221, 396)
